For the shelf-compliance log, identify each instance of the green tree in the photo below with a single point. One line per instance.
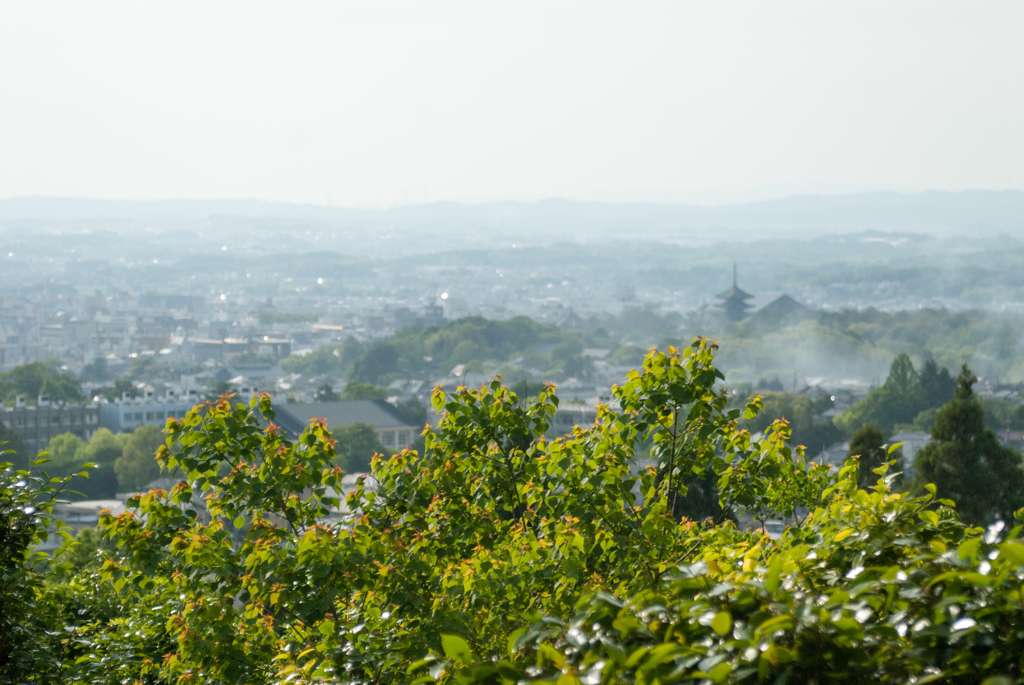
(12, 443)
(27, 500)
(356, 444)
(966, 461)
(354, 390)
(628, 355)
(796, 410)
(325, 393)
(376, 363)
(137, 464)
(103, 450)
(96, 372)
(702, 500)
(61, 387)
(578, 366)
(868, 445)
(67, 453)
(527, 390)
(25, 380)
(349, 352)
(498, 556)
(37, 378)
(221, 388)
(900, 399)
(937, 384)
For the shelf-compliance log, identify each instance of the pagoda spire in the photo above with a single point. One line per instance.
(734, 301)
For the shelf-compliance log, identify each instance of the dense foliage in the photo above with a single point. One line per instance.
(799, 412)
(897, 401)
(356, 444)
(27, 499)
(868, 446)
(39, 379)
(122, 462)
(519, 343)
(495, 555)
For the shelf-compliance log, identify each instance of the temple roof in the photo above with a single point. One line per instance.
(734, 293)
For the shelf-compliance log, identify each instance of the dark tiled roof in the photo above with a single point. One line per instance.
(378, 413)
(785, 304)
(733, 293)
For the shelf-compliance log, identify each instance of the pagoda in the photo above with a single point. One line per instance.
(734, 301)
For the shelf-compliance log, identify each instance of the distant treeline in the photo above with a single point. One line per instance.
(857, 345)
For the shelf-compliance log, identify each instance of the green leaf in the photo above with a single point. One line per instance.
(456, 648)
(1013, 551)
(722, 623)
(720, 672)
(239, 522)
(968, 549)
(771, 581)
(929, 517)
(513, 638)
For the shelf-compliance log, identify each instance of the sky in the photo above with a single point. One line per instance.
(383, 103)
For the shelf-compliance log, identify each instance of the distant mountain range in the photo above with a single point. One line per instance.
(933, 212)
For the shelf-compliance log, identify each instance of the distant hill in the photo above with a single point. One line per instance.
(932, 212)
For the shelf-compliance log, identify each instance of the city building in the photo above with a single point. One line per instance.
(38, 424)
(128, 414)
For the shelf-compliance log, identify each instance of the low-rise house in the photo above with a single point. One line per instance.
(394, 430)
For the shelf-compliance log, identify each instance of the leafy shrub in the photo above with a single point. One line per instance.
(496, 555)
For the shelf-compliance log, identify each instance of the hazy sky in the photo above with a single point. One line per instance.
(377, 103)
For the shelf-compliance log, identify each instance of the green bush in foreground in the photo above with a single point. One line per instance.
(497, 556)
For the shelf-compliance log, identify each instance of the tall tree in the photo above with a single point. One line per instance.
(137, 464)
(355, 446)
(796, 410)
(868, 445)
(937, 384)
(376, 363)
(325, 393)
(39, 378)
(354, 390)
(966, 461)
(900, 399)
(12, 442)
(68, 453)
